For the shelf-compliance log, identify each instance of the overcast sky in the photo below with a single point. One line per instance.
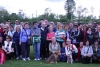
(57, 6)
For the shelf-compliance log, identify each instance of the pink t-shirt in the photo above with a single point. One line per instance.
(50, 35)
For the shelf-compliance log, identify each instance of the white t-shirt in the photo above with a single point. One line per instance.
(8, 47)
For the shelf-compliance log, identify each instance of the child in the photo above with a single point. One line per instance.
(62, 55)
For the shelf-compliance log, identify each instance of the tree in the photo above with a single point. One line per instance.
(70, 8)
(81, 12)
(47, 12)
(21, 14)
(3, 14)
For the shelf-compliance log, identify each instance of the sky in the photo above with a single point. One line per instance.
(57, 6)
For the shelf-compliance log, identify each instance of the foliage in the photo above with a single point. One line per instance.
(70, 8)
(72, 15)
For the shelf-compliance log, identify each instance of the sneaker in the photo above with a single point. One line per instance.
(24, 59)
(35, 59)
(38, 59)
(20, 56)
(45, 58)
(28, 58)
(55, 61)
(17, 58)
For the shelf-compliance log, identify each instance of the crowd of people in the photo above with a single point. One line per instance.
(73, 42)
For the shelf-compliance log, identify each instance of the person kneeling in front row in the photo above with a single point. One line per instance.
(96, 52)
(62, 55)
(54, 49)
(8, 47)
(86, 53)
(71, 51)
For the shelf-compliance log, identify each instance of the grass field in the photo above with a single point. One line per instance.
(32, 63)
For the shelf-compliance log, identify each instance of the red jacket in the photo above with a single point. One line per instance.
(79, 52)
(2, 57)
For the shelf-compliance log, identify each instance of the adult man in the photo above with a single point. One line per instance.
(43, 40)
(71, 51)
(36, 40)
(41, 20)
(16, 24)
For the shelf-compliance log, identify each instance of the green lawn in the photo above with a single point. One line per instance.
(32, 63)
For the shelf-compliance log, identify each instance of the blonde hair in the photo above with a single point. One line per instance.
(18, 27)
(59, 26)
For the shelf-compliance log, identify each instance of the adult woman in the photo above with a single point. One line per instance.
(86, 52)
(84, 33)
(4, 33)
(24, 37)
(96, 51)
(75, 36)
(67, 32)
(8, 47)
(16, 40)
(54, 49)
(60, 35)
(2, 54)
(53, 25)
(11, 31)
(89, 36)
(50, 34)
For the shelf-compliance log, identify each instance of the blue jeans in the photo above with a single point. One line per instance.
(36, 47)
(17, 49)
(63, 58)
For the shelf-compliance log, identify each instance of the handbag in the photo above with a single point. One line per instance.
(28, 40)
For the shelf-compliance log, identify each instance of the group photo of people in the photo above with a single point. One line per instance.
(52, 42)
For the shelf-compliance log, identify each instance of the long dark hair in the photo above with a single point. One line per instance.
(9, 37)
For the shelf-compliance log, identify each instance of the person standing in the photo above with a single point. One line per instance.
(16, 24)
(50, 34)
(60, 35)
(43, 46)
(36, 33)
(16, 40)
(11, 31)
(89, 36)
(24, 37)
(4, 33)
